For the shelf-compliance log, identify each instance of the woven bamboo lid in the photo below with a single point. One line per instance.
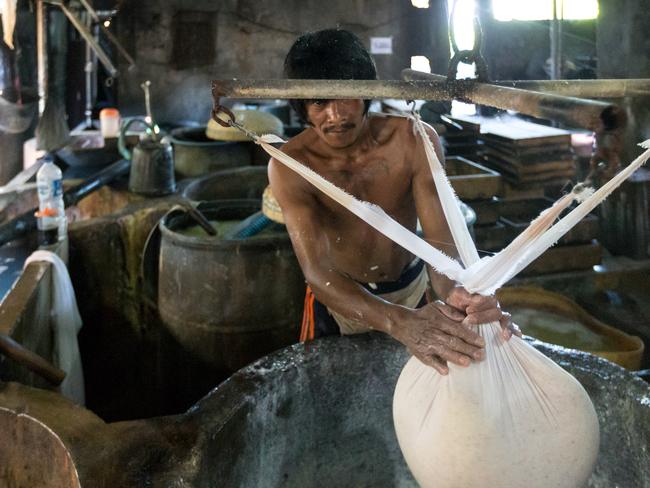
(271, 207)
(254, 120)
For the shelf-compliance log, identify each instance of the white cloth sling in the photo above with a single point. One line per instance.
(479, 277)
(66, 323)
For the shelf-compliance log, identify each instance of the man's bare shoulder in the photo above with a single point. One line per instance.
(299, 144)
(388, 127)
(281, 177)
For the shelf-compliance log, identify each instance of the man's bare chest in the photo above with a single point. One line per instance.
(376, 179)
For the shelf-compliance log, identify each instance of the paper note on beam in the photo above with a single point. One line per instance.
(381, 45)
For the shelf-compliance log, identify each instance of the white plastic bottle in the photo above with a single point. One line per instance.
(52, 223)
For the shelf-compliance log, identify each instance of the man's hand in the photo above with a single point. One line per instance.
(480, 309)
(436, 334)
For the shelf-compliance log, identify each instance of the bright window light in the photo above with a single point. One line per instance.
(420, 3)
(420, 63)
(463, 21)
(464, 12)
(506, 10)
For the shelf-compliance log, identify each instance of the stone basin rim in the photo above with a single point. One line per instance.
(298, 354)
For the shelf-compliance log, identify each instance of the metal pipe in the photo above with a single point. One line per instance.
(95, 16)
(88, 37)
(41, 55)
(332, 89)
(429, 90)
(30, 360)
(555, 34)
(610, 88)
(575, 112)
(89, 69)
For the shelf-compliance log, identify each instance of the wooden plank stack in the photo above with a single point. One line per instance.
(462, 137)
(529, 156)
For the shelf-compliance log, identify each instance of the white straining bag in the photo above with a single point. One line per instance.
(514, 420)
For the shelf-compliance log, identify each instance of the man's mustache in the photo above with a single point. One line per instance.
(343, 126)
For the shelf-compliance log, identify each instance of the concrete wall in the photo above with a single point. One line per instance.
(182, 45)
(623, 47)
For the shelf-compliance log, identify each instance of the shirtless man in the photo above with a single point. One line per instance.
(360, 279)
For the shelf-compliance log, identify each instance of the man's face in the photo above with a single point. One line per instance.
(337, 122)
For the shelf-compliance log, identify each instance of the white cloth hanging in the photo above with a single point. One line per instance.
(66, 323)
(8, 21)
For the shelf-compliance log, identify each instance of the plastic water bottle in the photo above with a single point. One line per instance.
(52, 223)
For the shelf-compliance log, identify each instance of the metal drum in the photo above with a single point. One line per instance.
(196, 155)
(228, 302)
(244, 182)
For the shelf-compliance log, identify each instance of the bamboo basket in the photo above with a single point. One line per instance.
(625, 350)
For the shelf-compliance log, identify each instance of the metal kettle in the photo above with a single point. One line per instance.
(152, 162)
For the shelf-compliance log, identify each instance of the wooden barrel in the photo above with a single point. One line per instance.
(32, 454)
(228, 302)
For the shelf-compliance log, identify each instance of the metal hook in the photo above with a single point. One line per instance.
(217, 108)
(452, 32)
(467, 56)
(412, 103)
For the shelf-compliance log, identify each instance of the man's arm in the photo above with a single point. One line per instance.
(431, 333)
(311, 245)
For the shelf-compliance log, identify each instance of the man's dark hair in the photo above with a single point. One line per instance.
(330, 54)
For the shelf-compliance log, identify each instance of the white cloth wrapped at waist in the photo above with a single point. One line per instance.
(409, 296)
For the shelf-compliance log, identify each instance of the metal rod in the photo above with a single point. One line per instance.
(95, 16)
(610, 88)
(88, 37)
(575, 112)
(431, 90)
(30, 360)
(117, 44)
(41, 55)
(555, 34)
(331, 89)
(89, 70)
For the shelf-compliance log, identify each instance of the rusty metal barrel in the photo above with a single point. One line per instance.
(196, 155)
(228, 302)
(243, 182)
